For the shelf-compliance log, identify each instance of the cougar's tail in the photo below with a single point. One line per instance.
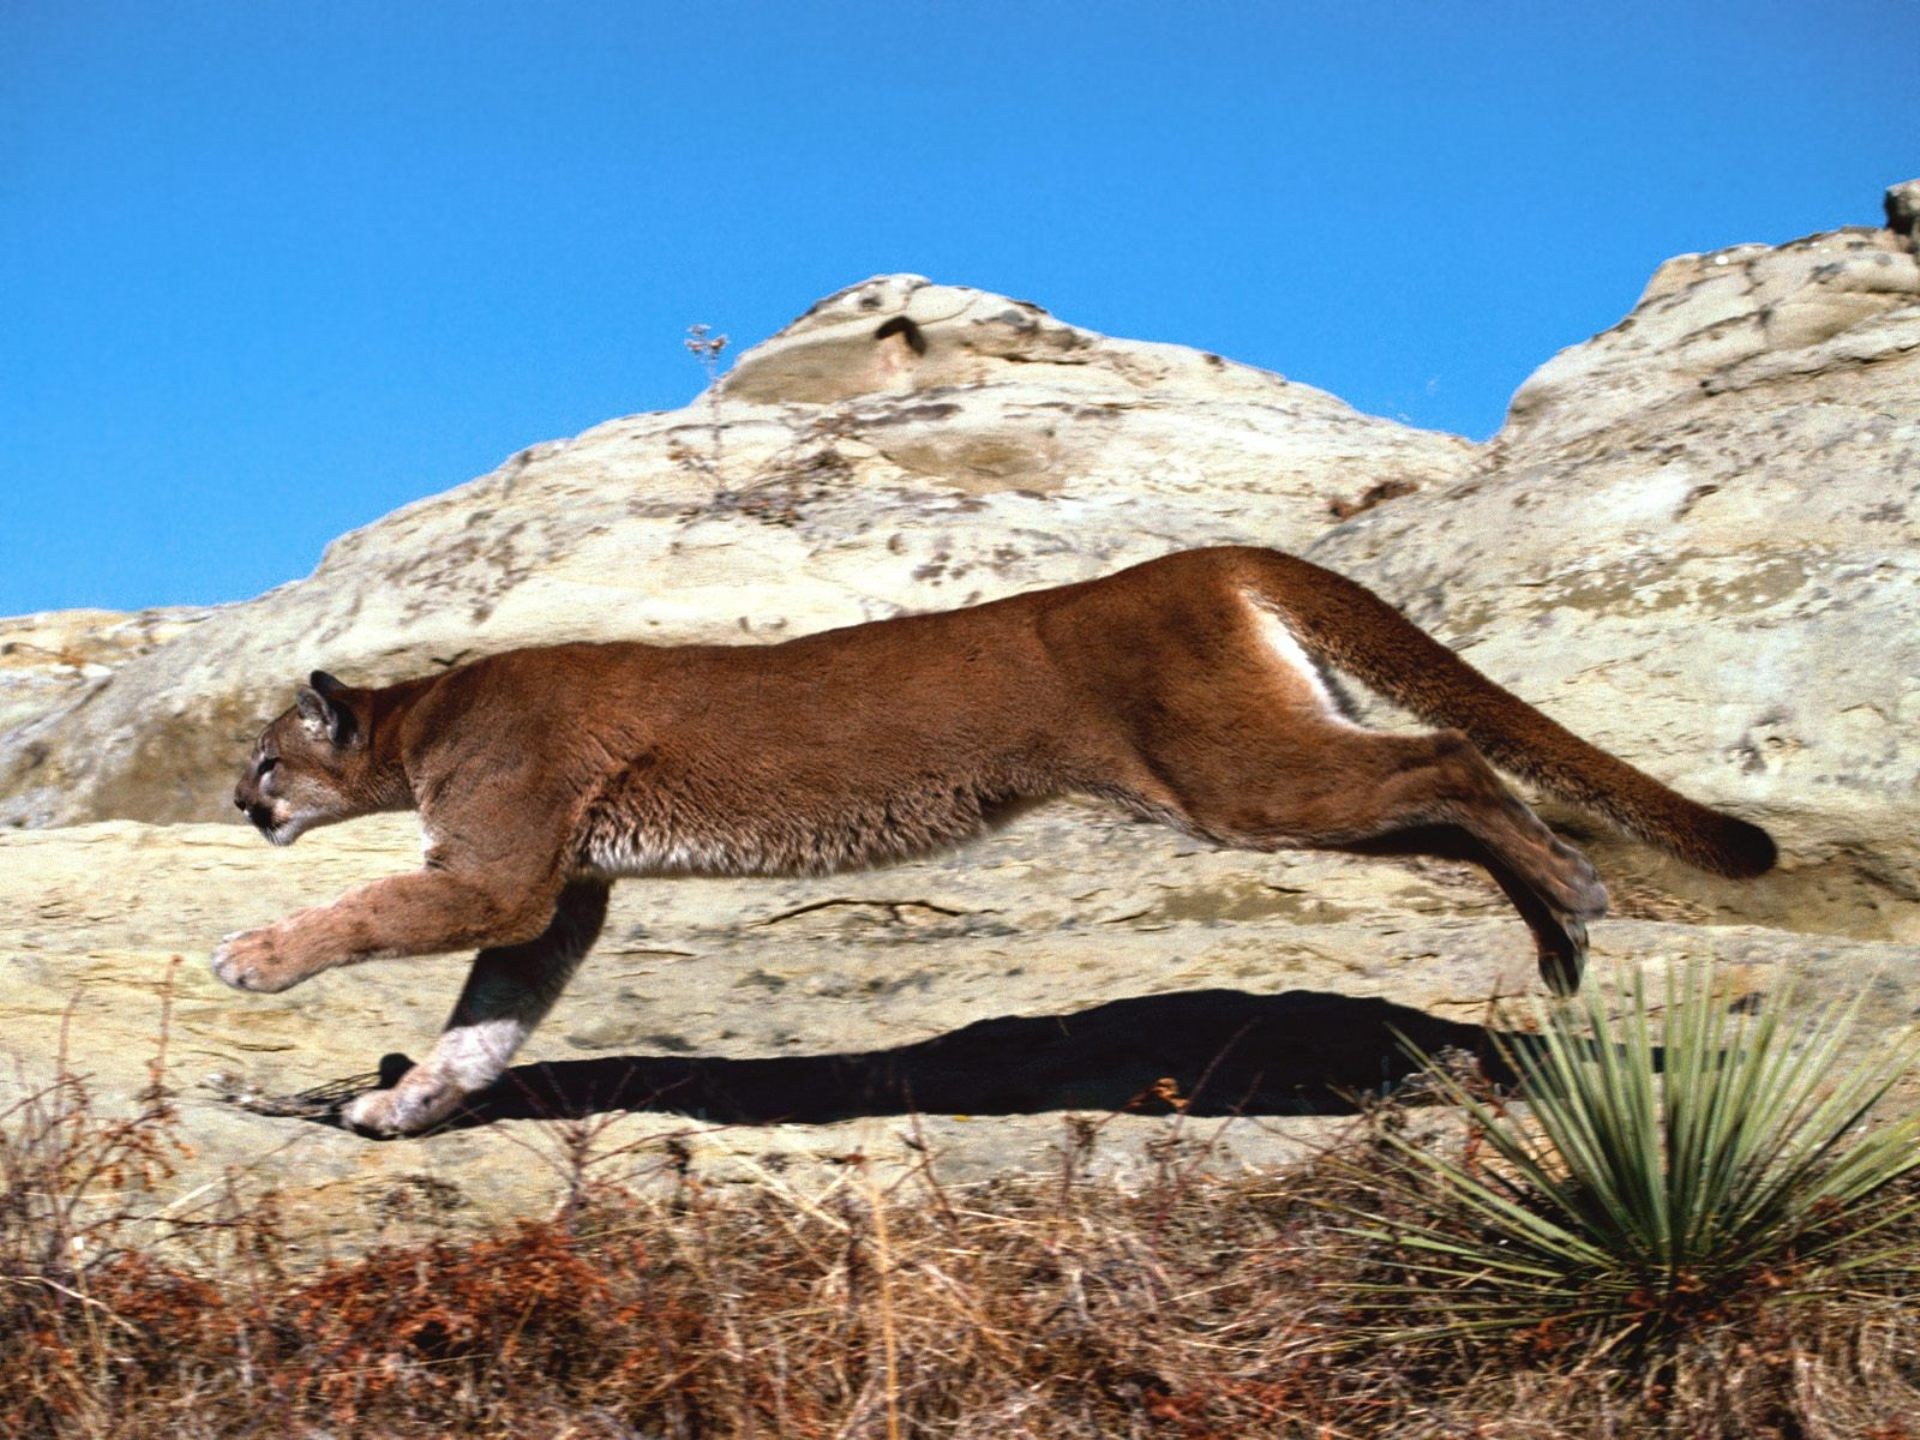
(1354, 630)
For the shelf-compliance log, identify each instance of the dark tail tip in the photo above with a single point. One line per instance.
(1742, 850)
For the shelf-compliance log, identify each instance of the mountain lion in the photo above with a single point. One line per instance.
(1187, 690)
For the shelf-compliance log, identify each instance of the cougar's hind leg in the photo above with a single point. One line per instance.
(1338, 787)
(1445, 781)
(508, 992)
(1560, 936)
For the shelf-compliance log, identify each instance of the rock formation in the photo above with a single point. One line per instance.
(1696, 540)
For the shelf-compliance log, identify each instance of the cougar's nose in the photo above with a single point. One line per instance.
(239, 802)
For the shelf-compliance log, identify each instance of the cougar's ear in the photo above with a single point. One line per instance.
(326, 707)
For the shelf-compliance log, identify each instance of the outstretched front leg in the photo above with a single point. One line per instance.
(509, 991)
(430, 912)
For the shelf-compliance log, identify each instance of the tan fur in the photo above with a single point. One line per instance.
(1187, 690)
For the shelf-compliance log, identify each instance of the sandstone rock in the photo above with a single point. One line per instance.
(1729, 320)
(771, 1028)
(1695, 541)
(46, 658)
(1903, 207)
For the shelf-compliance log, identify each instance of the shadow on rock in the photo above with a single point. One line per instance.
(1224, 1052)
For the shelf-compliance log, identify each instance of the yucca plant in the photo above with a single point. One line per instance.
(1664, 1166)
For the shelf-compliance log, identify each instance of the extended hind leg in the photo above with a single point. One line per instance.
(1560, 936)
(508, 992)
(1337, 787)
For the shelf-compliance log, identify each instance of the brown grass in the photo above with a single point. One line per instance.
(1190, 1306)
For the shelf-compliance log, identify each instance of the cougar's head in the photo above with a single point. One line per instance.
(312, 765)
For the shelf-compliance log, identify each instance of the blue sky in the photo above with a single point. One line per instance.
(269, 270)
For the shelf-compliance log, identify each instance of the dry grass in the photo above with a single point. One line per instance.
(1190, 1306)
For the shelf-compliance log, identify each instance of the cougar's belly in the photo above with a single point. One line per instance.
(651, 831)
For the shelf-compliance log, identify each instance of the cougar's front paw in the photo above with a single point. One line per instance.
(252, 960)
(419, 1102)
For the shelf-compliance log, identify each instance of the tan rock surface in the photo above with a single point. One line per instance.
(1697, 542)
(47, 659)
(732, 1006)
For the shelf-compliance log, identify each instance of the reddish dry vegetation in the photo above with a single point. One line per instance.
(1186, 1307)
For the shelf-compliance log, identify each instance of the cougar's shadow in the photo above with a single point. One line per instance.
(1224, 1052)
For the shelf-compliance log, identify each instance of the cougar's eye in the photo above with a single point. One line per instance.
(267, 762)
